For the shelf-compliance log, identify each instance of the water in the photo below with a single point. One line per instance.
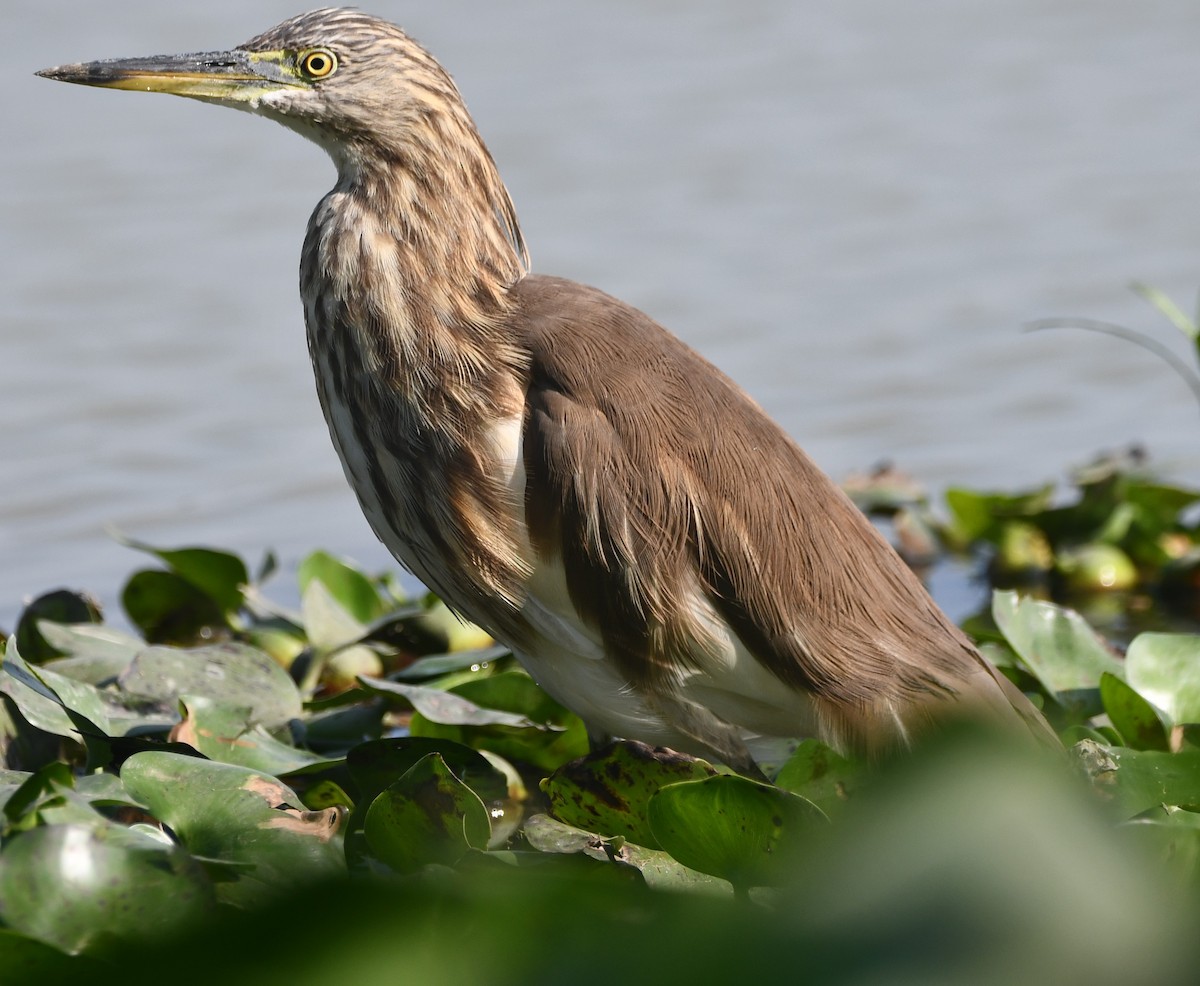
(853, 209)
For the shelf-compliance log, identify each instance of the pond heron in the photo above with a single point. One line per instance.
(661, 557)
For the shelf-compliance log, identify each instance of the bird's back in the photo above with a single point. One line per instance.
(711, 538)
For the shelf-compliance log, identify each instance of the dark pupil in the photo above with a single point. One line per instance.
(316, 64)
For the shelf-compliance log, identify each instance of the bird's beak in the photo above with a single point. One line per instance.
(231, 77)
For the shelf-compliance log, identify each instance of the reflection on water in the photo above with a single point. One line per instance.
(851, 210)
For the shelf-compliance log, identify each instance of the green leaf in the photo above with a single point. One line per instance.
(75, 886)
(1174, 837)
(821, 775)
(25, 960)
(228, 674)
(560, 736)
(238, 816)
(228, 734)
(327, 622)
(1059, 649)
(169, 609)
(740, 830)
(659, 869)
(1134, 718)
(1165, 669)
(608, 791)
(219, 575)
(33, 790)
(1136, 780)
(976, 516)
(448, 708)
(59, 606)
(1166, 307)
(436, 665)
(427, 816)
(90, 640)
(353, 590)
(377, 765)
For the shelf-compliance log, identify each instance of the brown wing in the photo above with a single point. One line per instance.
(681, 483)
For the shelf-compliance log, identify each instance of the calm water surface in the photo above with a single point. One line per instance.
(853, 209)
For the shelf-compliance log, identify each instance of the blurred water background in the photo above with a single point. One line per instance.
(852, 208)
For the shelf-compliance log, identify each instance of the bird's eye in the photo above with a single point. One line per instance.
(319, 64)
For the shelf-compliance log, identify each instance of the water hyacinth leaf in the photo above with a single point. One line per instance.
(327, 623)
(444, 631)
(1133, 717)
(427, 816)
(26, 960)
(608, 791)
(36, 702)
(10, 783)
(34, 789)
(436, 665)
(59, 606)
(228, 734)
(658, 869)
(219, 575)
(976, 516)
(1058, 647)
(327, 794)
(1174, 837)
(448, 708)
(821, 775)
(377, 765)
(343, 668)
(1165, 669)
(741, 830)
(74, 886)
(240, 816)
(104, 789)
(74, 709)
(1138, 722)
(228, 674)
(561, 737)
(90, 640)
(1137, 780)
(63, 806)
(335, 731)
(169, 609)
(353, 590)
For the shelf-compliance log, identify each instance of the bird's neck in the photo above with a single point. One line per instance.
(408, 265)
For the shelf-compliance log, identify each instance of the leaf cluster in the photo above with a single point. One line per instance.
(232, 757)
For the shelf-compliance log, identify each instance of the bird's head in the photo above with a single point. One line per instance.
(339, 76)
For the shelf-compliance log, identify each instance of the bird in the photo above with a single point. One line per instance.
(661, 557)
